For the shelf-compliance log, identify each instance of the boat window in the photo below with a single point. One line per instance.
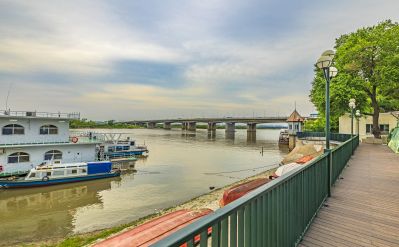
(84, 171)
(48, 174)
(74, 171)
(48, 130)
(53, 155)
(119, 148)
(58, 173)
(126, 147)
(111, 149)
(13, 129)
(18, 157)
(32, 175)
(131, 143)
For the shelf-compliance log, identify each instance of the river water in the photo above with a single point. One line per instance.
(180, 166)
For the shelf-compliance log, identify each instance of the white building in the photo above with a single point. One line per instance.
(29, 138)
(386, 120)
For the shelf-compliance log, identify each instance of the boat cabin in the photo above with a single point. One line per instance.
(56, 171)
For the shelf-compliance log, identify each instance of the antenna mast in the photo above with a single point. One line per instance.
(8, 95)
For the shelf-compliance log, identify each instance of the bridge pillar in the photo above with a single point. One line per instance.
(167, 125)
(251, 127)
(211, 127)
(192, 126)
(151, 125)
(230, 127)
(184, 126)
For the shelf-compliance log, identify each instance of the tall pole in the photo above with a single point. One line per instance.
(327, 76)
(352, 121)
(358, 126)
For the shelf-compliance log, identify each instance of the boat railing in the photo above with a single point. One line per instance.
(32, 143)
(275, 214)
(73, 115)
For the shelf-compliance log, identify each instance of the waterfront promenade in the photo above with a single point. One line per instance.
(364, 207)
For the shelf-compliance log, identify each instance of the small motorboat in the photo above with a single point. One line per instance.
(238, 191)
(155, 230)
(52, 174)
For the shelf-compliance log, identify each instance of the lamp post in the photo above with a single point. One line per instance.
(352, 105)
(358, 115)
(324, 63)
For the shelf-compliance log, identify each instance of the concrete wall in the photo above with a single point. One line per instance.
(345, 123)
(32, 128)
(70, 153)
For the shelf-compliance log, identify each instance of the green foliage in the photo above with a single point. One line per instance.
(368, 71)
(111, 124)
(315, 125)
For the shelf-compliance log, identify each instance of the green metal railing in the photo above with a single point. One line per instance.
(276, 214)
(333, 136)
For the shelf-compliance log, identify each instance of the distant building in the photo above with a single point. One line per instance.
(295, 122)
(313, 115)
(387, 121)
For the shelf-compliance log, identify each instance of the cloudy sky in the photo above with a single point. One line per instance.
(157, 58)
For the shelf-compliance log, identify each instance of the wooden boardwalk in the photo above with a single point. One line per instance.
(364, 207)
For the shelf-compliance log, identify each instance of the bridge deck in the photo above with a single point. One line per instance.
(364, 207)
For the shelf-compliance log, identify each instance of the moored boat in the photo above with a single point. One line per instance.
(52, 174)
(238, 191)
(156, 229)
(285, 169)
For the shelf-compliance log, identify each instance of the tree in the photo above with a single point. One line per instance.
(368, 71)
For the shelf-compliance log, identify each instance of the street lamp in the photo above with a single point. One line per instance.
(358, 115)
(352, 105)
(324, 63)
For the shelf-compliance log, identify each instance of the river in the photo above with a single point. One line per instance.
(179, 167)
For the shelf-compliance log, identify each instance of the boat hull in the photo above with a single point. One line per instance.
(156, 229)
(30, 184)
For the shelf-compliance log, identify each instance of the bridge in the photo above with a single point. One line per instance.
(190, 124)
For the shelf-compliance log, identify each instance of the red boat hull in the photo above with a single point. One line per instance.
(238, 191)
(155, 230)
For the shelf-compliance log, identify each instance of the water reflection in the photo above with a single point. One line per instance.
(40, 213)
(251, 137)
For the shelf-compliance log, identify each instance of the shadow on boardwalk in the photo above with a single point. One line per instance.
(364, 207)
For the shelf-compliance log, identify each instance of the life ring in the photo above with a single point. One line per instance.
(75, 139)
(45, 179)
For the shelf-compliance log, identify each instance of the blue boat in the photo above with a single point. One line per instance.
(52, 174)
(123, 149)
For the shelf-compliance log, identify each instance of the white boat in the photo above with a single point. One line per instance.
(51, 174)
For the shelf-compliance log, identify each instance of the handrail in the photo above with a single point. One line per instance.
(275, 214)
(73, 115)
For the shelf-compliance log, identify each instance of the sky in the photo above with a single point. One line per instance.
(153, 59)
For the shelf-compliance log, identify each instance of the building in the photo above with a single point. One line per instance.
(387, 122)
(30, 138)
(295, 122)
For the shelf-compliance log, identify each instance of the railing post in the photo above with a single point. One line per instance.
(329, 170)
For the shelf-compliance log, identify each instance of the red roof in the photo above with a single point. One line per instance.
(295, 117)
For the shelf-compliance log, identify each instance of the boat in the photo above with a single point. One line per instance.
(156, 229)
(123, 149)
(238, 191)
(283, 137)
(114, 145)
(285, 169)
(51, 174)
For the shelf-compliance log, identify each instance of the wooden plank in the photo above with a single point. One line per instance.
(364, 207)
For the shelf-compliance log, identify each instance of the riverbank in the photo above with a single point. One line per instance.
(209, 200)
